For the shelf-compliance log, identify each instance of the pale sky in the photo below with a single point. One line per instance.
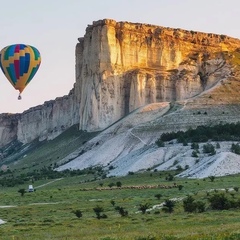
(53, 27)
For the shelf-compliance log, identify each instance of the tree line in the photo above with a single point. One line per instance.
(219, 132)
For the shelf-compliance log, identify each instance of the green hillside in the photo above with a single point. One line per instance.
(40, 154)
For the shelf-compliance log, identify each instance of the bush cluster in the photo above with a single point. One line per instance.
(10, 179)
(221, 202)
(220, 132)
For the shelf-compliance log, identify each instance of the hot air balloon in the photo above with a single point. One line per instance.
(19, 63)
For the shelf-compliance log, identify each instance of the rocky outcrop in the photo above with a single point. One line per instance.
(48, 120)
(41, 122)
(122, 66)
(8, 128)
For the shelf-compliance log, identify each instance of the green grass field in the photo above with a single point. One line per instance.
(47, 213)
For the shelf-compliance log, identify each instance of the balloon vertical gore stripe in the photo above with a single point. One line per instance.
(22, 66)
(16, 68)
(34, 70)
(26, 62)
(11, 73)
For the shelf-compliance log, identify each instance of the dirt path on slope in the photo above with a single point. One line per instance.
(48, 183)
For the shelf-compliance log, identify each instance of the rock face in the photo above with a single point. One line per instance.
(8, 128)
(49, 120)
(122, 66)
(42, 122)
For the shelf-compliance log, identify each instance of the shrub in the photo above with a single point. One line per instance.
(194, 154)
(168, 206)
(143, 207)
(236, 189)
(175, 162)
(121, 211)
(200, 206)
(179, 168)
(194, 146)
(169, 177)
(78, 213)
(185, 143)
(219, 202)
(111, 167)
(160, 143)
(22, 191)
(212, 178)
(112, 202)
(235, 148)
(118, 184)
(180, 187)
(209, 148)
(190, 205)
(158, 196)
(111, 185)
(98, 210)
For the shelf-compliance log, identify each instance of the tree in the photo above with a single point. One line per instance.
(185, 143)
(111, 185)
(209, 148)
(180, 187)
(98, 210)
(143, 207)
(235, 148)
(179, 168)
(112, 202)
(121, 211)
(194, 154)
(211, 178)
(194, 146)
(158, 196)
(200, 206)
(236, 189)
(118, 184)
(22, 191)
(189, 205)
(168, 206)
(78, 213)
(219, 202)
(160, 143)
(170, 177)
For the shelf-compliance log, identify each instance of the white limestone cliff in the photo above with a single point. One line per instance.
(43, 122)
(122, 66)
(48, 120)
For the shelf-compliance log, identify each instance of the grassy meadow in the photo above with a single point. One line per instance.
(48, 213)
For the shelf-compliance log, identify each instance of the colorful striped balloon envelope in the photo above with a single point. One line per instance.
(19, 63)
